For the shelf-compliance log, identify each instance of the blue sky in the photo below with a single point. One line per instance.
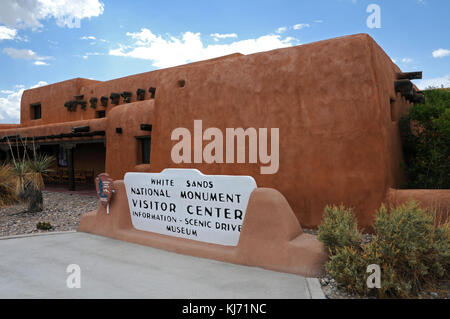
(44, 41)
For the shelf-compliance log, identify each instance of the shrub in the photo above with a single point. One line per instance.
(345, 267)
(409, 248)
(339, 228)
(425, 135)
(44, 226)
(7, 185)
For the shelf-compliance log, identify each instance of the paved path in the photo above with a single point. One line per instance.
(35, 267)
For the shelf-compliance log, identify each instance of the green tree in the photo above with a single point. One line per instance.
(426, 142)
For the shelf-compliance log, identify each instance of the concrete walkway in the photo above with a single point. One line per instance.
(35, 267)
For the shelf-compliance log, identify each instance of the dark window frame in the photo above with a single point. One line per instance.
(144, 148)
(36, 111)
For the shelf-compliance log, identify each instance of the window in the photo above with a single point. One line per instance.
(144, 149)
(36, 111)
(62, 157)
(101, 114)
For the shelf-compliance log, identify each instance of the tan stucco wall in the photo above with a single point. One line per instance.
(330, 100)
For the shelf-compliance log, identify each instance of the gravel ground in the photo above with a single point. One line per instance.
(62, 210)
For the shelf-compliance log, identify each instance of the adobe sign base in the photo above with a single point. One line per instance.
(271, 235)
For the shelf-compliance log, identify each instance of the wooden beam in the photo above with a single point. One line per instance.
(115, 98)
(418, 98)
(104, 101)
(70, 167)
(152, 91)
(408, 95)
(80, 129)
(409, 75)
(403, 85)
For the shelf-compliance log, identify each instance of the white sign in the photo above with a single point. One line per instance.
(185, 203)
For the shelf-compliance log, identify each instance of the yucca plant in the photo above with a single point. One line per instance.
(35, 169)
(29, 174)
(39, 167)
(22, 173)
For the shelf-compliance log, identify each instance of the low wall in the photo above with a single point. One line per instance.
(271, 235)
(437, 200)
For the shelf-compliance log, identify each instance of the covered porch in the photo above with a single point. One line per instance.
(79, 150)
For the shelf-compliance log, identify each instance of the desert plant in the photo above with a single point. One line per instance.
(410, 248)
(339, 228)
(22, 172)
(8, 183)
(425, 135)
(32, 192)
(44, 226)
(33, 197)
(39, 167)
(29, 172)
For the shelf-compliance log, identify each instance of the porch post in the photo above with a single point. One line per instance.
(70, 149)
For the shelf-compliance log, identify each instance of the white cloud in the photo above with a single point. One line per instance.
(218, 36)
(24, 54)
(172, 51)
(440, 53)
(435, 82)
(39, 84)
(7, 33)
(300, 26)
(40, 63)
(10, 102)
(318, 21)
(407, 60)
(281, 30)
(93, 39)
(29, 13)
(91, 53)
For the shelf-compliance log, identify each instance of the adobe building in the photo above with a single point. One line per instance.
(336, 103)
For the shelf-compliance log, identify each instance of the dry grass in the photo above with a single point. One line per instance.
(8, 185)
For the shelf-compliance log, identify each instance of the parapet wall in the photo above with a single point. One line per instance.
(435, 200)
(52, 98)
